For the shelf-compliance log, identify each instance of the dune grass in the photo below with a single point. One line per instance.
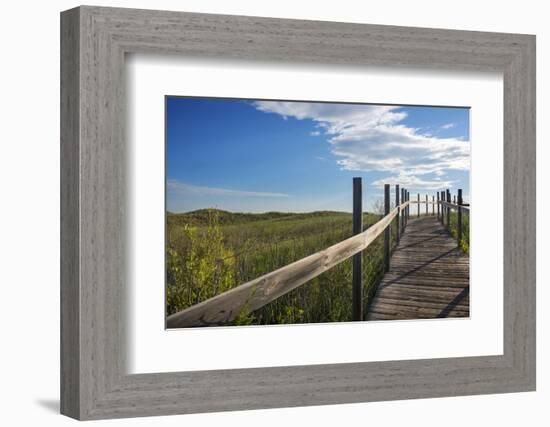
(465, 241)
(211, 251)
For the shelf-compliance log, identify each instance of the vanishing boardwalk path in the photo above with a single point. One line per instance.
(428, 276)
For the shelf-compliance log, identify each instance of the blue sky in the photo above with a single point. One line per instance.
(258, 156)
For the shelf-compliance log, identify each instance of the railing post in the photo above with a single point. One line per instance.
(405, 213)
(398, 230)
(433, 204)
(426, 204)
(387, 231)
(418, 204)
(448, 211)
(404, 210)
(404, 198)
(408, 206)
(437, 205)
(443, 208)
(357, 286)
(459, 217)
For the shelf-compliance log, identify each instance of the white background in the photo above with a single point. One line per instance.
(29, 214)
(154, 350)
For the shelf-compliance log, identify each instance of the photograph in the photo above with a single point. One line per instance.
(296, 212)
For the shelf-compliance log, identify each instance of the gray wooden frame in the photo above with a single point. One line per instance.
(94, 382)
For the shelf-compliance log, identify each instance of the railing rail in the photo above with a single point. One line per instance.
(252, 295)
(456, 206)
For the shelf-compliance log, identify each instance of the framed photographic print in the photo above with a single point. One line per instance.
(287, 168)
(348, 208)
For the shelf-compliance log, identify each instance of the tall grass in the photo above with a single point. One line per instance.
(465, 241)
(198, 264)
(209, 252)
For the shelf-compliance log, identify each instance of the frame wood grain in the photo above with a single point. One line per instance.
(94, 381)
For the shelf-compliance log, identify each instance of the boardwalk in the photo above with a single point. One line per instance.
(428, 276)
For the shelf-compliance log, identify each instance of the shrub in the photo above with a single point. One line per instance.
(202, 267)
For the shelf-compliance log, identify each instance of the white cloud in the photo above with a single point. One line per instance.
(412, 181)
(315, 133)
(372, 138)
(179, 187)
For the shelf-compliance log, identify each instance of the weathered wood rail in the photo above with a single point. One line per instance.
(252, 295)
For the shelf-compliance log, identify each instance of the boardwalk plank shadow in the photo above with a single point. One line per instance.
(429, 276)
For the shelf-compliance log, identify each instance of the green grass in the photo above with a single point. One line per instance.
(211, 251)
(465, 241)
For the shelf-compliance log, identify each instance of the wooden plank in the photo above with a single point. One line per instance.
(440, 264)
(455, 206)
(70, 307)
(427, 277)
(426, 248)
(434, 253)
(404, 261)
(399, 314)
(397, 298)
(417, 283)
(431, 293)
(396, 302)
(420, 311)
(253, 295)
(426, 254)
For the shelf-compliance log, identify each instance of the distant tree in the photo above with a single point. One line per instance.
(378, 207)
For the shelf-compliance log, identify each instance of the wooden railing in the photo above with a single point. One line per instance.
(459, 206)
(252, 295)
(444, 205)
